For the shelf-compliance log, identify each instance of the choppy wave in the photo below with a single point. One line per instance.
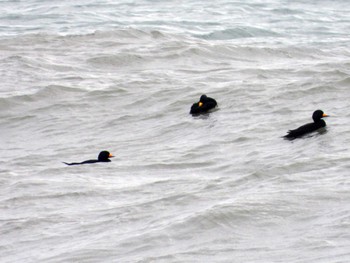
(240, 32)
(78, 78)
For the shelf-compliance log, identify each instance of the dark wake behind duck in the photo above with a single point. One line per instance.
(103, 157)
(310, 127)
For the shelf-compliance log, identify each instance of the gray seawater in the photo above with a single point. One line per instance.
(79, 77)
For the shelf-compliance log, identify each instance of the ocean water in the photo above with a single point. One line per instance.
(79, 77)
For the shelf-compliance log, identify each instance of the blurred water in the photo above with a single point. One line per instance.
(84, 76)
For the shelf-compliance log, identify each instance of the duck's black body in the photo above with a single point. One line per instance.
(103, 157)
(204, 105)
(310, 127)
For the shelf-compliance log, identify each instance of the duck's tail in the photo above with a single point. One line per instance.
(71, 163)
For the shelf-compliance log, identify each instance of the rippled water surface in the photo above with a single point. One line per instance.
(79, 77)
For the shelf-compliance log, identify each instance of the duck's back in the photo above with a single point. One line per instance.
(307, 128)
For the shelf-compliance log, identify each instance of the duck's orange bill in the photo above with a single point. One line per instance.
(325, 115)
(200, 104)
(110, 155)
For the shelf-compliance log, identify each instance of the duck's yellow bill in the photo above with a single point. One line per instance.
(325, 115)
(110, 155)
(200, 104)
